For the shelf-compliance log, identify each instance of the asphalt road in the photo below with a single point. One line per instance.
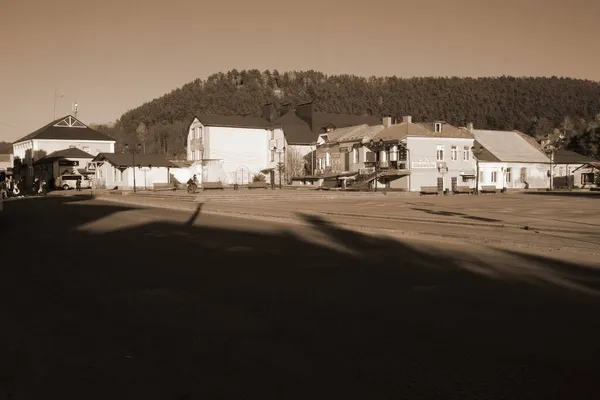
(104, 300)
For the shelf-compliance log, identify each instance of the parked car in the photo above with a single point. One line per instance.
(67, 182)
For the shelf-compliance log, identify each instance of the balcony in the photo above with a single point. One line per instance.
(386, 165)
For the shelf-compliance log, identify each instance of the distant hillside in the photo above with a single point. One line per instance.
(533, 105)
(6, 148)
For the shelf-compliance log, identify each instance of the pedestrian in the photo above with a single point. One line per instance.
(78, 184)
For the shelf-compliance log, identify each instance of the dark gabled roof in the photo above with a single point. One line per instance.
(126, 160)
(563, 156)
(62, 154)
(72, 152)
(234, 121)
(298, 130)
(66, 128)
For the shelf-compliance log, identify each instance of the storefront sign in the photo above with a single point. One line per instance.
(424, 165)
(68, 163)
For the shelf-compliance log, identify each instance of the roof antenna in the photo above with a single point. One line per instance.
(75, 109)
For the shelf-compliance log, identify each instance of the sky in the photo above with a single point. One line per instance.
(114, 55)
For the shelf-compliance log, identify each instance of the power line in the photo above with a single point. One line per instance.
(7, 124)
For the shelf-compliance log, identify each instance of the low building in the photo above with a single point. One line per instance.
(67, 161)
(127, 171)
(573, 170)
(63, 133)
(510, 159)
(423, 154)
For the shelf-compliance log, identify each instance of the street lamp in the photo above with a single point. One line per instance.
(404, 143)
(279, 164)
(133, 150)
(477, 150)
(550, 146)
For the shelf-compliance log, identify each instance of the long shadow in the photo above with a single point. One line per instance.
(566, 194)
(232, 308)
(455, 214)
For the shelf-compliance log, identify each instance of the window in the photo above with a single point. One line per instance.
(508, 175)
(466, 153)
(494, 176)
(437, 127)
(453, 153)
(440, 152)
(272, 155)
(115, 175)
(523, 175)
(327, 159)
(272, 135)
(587, 178)
(355, 156)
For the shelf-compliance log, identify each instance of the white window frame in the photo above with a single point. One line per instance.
(453, 153)
(355, 156)
(508, 175)
(437, 127)
(440, 152)
(466, 153)
(494, 176)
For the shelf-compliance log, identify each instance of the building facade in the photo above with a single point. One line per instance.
(511, 160)
(232, 149)
(573, 170)
(72, 161)
(63, 133)
(433, 154)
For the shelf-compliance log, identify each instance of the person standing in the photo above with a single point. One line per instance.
(78, 184)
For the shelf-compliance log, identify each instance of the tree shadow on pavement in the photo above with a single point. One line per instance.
(589, 194)
(232, 308)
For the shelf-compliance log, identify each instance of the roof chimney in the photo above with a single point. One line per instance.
(306, 112)
(470, 126)
(407, 118)
(285, 108)
(387, 121)
(268, 112)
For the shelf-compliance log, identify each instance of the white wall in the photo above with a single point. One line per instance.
(536, 175)
(144, 177)
(92, 147)
(423, 162)
(243, 151)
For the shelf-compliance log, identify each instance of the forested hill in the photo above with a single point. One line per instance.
(533, 105)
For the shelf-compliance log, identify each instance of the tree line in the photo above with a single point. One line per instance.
(536, 106)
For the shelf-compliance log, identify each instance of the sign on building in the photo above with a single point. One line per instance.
(424, 165)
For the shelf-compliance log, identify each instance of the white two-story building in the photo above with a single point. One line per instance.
(232, 149)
